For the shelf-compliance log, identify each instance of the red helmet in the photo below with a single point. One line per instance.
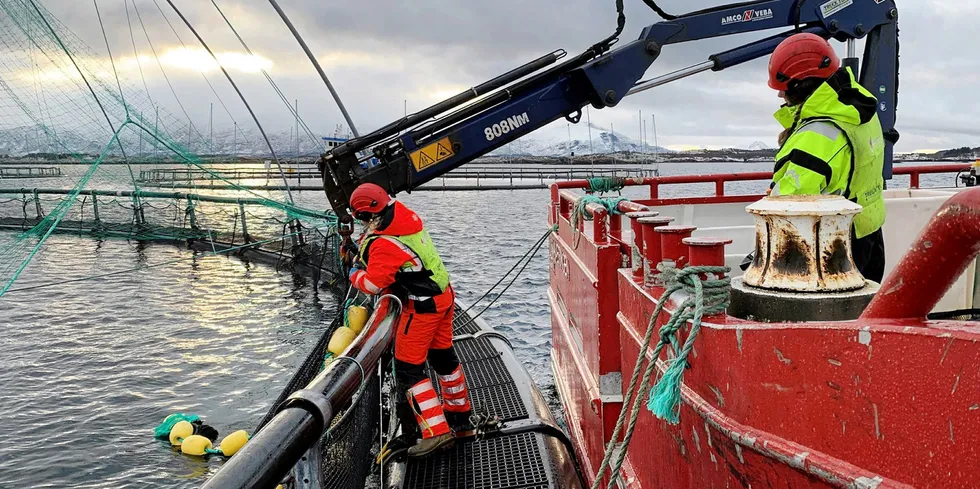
(368, 199)
(799, 57)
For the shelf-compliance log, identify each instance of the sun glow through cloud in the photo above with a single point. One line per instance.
(173, 60)
(198, 59)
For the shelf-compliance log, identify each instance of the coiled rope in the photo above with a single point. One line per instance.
(705, 296)
(606, 184)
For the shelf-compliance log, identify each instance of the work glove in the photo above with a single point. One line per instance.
(351, 247)
(349, 252)
(205, 430)
(747, 261)
(358, 266)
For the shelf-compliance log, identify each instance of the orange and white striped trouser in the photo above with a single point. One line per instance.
(428, 410)
(456, 398)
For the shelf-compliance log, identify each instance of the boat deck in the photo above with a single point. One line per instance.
(526, 455)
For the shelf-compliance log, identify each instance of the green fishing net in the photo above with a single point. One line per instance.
(82, 150)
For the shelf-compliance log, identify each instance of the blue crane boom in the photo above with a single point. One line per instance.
(420, 147)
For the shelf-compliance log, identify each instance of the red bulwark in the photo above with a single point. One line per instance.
(889, 401)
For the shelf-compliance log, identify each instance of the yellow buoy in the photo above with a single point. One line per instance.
(357, 317)
(341, 339)
(232, 443)
(195, 445)
(181, 430)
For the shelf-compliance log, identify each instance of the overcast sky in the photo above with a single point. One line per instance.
(381, 52)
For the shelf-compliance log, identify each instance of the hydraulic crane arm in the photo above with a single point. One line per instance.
(419, 148)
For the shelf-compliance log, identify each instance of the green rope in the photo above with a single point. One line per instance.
(704, 297)
(710, 297)
(606, 184)
(162, 431)
(580, 213)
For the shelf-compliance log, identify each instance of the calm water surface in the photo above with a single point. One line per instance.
(87, 369)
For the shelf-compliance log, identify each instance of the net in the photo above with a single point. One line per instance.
(80, 150)
(84, 151)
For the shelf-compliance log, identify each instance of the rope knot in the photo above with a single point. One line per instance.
(580, 213)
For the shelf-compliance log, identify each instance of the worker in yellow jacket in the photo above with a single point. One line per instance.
(832, 141)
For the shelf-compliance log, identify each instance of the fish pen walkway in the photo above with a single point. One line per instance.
(529, 452)
(468, 178)
(241, 226)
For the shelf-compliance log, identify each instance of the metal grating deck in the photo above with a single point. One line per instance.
(506, 462)
(512, 462)
(463, 323)
(471, 350)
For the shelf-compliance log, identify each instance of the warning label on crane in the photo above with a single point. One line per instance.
(431, 154)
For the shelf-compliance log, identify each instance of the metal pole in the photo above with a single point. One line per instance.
(851, 61)
(656, 145)
(669, 77)
(297, 126)
(141, 136)
(316, 64)
(646, 140)
(569, 126)
(588, 115)
(211, 128)
(640, 126)
(241, 210)
(612, 137)
(234, 144)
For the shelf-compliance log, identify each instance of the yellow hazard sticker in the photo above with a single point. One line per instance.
(431, 154)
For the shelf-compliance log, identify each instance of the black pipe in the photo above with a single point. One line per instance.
(269, 456)
(459, 99)
(266, 459)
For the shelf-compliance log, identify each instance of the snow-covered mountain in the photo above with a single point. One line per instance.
(759, 146)
(24, 140)
(601, 143)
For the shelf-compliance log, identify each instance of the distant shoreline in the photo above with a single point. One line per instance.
(620, 158)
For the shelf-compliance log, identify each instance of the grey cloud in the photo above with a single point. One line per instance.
(407, 50)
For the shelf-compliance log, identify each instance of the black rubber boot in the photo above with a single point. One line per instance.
(406, 419)
(459, 421)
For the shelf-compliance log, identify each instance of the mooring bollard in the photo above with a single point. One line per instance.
(652, 248)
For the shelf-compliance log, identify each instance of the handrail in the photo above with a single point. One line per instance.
(161, 195)
(303, 418)
(719, 179)
(563, 199)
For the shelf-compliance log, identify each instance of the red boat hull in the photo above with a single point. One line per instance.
(873, 403)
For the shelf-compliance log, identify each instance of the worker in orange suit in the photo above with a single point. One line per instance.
(397, 254)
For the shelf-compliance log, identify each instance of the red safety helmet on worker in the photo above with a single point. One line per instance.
(832, 141)
(396, 254)
(799, 57)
